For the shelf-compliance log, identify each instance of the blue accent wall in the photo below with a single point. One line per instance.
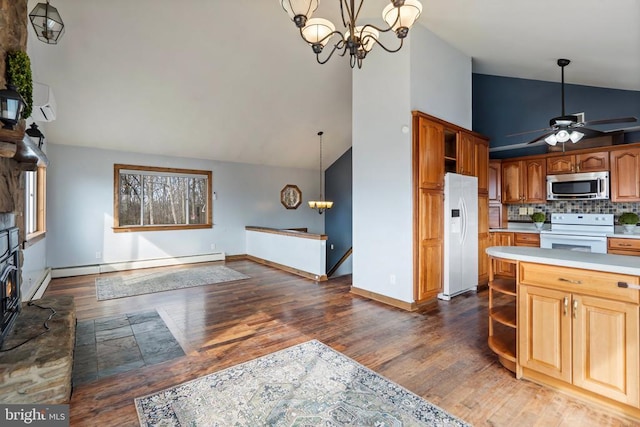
(338, 224)
(504, 105)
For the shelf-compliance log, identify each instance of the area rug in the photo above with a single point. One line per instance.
(148, 283)
(306, 385)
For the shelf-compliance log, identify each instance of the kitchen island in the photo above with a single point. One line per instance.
(569, 320)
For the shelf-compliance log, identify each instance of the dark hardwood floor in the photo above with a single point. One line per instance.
(438, 352)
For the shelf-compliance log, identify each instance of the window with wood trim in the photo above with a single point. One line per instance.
(35, 203)
(150, 198)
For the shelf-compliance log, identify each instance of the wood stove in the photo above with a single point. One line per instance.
(10, 302)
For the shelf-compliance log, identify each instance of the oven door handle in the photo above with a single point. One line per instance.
(574, 237)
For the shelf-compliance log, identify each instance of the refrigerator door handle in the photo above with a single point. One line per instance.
(463, 218)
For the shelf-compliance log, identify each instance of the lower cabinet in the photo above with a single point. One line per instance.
(588, 341)
(622, 246)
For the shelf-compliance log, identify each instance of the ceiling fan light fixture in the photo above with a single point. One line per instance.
(562, 135)
(551, 140)
(576, 136)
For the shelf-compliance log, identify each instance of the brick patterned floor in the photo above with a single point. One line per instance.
(112, 345)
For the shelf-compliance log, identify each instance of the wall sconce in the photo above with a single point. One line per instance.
(47, 23)
(11, 106)
(34, 132)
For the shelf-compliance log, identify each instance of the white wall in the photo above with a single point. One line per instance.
(440, 78)
(80, 207)
(426, 74)
(34, 265)
(382, 218)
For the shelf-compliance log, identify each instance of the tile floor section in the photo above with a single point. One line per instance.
(112, 345)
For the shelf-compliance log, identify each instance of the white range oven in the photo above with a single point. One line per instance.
(578, 232)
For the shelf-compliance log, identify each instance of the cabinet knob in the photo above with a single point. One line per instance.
(565, 305)
(575, 308)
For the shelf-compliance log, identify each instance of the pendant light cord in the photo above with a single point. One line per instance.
(321, 180)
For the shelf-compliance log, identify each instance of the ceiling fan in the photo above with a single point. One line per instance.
(571, 127)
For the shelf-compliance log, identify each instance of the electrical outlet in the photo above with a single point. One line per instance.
(530, 210)
(98, 255)
(392, 279)
(331, 247)
(522, 211)
(213, 246)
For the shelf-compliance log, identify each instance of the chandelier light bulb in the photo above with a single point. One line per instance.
(365, 36)
(299, 10)
(551, 140)
(318, 31)
(400, 19)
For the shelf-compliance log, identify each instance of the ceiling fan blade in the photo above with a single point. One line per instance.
(528, 131)
(608, 121)
(589, 133)
(541, 137)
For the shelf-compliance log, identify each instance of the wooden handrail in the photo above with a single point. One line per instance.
(340, 261)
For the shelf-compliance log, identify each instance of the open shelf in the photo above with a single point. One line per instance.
(503, 343)
(504, 285)
(505, 314)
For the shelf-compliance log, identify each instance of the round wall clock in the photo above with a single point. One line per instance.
(291, 196)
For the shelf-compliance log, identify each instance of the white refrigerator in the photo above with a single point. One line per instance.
(460, 235)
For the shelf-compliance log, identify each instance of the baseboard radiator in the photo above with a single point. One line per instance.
(134, 265)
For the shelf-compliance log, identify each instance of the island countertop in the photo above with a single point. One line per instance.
(610, 263)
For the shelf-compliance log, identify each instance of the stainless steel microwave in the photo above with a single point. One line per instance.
(578, 186)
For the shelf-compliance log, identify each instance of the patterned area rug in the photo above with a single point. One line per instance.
(306, 385)
(148, 283)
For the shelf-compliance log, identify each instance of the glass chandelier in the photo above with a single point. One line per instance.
(47, 23)
(322, 204)
(357, 40)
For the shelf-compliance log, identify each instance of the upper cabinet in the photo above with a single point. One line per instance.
(584, 162)
(524, 181)
(466, 154)
(495, 178)
(429, 153)
(481, 147)
(625, 175)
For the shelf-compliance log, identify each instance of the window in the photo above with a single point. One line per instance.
(150, 198)
(34, 204)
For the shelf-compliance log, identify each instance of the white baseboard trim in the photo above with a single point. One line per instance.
(41, 288)
(134, 265)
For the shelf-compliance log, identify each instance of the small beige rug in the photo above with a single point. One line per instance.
(148, 283)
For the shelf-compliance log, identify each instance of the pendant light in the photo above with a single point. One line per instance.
(47, 23)
(322, 204)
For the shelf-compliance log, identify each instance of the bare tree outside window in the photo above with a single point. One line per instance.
(150, 198)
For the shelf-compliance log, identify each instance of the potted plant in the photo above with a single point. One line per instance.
(629, 221)
(19, 76)
(538, 219)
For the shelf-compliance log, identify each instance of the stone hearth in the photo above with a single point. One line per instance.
(40, 370)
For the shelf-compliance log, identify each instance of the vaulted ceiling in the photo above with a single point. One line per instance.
(233, 81)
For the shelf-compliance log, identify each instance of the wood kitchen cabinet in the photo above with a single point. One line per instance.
(498, 217)
(622, 246)
(584, 162)
(501, 238)
(466, 154)
(484, 239)
(524, 181)
(431, 244)
(430, 153)
(440, 147)
(625, 175)
(579, 327)
(482, 164)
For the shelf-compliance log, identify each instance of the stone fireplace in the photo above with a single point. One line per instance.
(10, 301)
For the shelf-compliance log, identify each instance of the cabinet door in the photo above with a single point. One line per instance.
(592, 162)
(466, 154)
(623, 246)
(495, 177)
(561, 164)
(482, 164)
(535, 180)
(484, 239)
(544, 345)
(605, 348)
(430, 154)
(511, 182)
(625, 175)
(430, 244)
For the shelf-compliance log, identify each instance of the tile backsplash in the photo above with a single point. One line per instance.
(575, 206)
